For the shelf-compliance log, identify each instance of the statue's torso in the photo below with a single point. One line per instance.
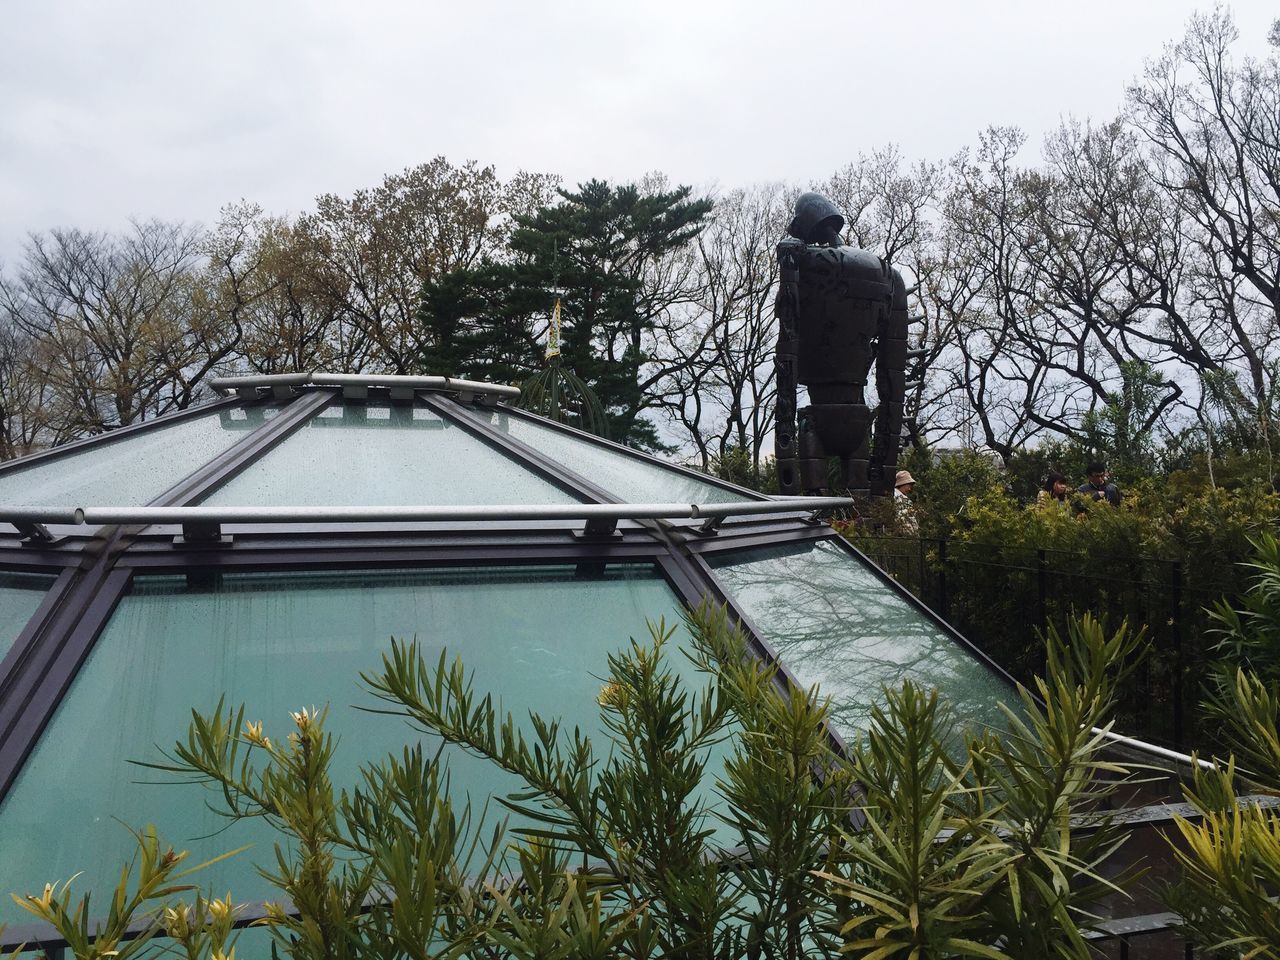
(843, 293)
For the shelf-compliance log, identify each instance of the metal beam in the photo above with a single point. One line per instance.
(359, 382)
(197, 485)
(34, 689)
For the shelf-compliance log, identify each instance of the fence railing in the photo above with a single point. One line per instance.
(1004, 597)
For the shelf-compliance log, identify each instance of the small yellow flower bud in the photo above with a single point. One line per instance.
(612, 694)
(45, 900)
(220, 910)
(253, 733)
(176, 922)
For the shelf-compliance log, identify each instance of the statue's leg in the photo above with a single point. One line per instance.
(813, 458)
(784, 435)
(853, 469)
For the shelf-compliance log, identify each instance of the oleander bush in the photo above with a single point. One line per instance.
(716, 820)
(1230, 852)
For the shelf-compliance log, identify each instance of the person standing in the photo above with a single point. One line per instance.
(1096, 486)
(1054, 492)
(904, 510)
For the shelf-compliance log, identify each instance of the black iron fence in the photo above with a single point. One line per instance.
(1004, 597)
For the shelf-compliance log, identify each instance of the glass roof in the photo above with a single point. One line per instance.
(351, 453)
(380, 454)
(834, 623)
(538, 637)
(632, 479)
(20, 595)
(134, 468)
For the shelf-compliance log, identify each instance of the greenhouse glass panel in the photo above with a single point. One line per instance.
(20, 595)
(835, 623)
(631, 479)
(537, 636)
(135, 468)
(381, 454)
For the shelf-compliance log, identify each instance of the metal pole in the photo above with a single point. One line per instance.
(1042, 595)
(356, 514)
(1178, 665)
(920, 567)
(943, 600)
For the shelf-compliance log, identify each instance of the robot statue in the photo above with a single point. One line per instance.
(839, 310)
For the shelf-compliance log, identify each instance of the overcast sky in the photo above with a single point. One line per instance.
(119, 108)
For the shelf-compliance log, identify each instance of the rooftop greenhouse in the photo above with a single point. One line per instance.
(268, 545)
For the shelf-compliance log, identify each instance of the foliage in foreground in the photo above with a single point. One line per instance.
(1231, 853)
(717, 821)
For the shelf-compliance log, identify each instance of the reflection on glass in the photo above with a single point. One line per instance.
(134, 469)
(379, 454)
(835, 624)
(20, 594)
(629, 478)
(538, 637)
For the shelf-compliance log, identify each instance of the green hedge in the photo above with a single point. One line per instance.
(1000, 570)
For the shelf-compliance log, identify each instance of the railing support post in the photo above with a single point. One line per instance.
(1176, 637)
(943, 600)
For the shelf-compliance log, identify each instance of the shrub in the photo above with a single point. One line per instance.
(970, 844)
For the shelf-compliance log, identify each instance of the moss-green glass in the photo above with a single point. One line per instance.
(133, 469)
(537, 637)
(20, 595)
(631, 479)
(834, 623)
(380, 454)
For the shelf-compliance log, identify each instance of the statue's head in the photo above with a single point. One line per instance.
(816, 220)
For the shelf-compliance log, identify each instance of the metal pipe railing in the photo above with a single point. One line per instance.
(226, 385)
(405, 514)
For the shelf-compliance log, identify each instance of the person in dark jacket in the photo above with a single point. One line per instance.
(1096, 486)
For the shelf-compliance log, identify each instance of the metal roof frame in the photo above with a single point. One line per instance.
(97, 557)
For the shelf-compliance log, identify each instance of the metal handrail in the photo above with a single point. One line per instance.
(491, 512)
(315, 378)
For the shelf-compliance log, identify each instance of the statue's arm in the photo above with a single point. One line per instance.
(891, 386)
(786, 361)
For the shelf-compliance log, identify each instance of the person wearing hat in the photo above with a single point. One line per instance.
(904, 510)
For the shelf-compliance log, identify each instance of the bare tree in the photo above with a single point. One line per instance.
(29, 420)
(1213, 130)
(116, 319)
(719, 391)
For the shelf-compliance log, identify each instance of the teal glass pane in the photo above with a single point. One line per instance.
(629, 478)
(366, 455)
(835, 624)
(20, 595)
(537, 637)
(133, 469)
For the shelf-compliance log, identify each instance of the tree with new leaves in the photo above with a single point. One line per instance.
(374, 250)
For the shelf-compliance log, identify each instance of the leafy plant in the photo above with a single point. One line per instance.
(978, 850)
(140, 909)
(1230, 852)
(718, 819)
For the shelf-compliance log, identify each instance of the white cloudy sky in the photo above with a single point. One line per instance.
(113, 108)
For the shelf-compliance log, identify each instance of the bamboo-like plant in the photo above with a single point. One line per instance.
(1230, 852)
(975, 848)
(719, 818)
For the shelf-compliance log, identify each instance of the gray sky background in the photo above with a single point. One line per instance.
(171, 109)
